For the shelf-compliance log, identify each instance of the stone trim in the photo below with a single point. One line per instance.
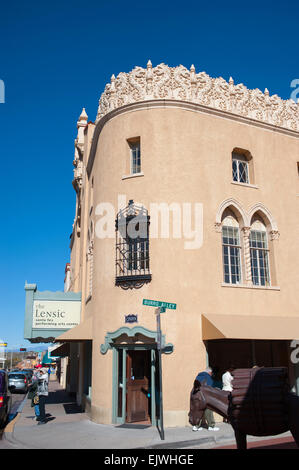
(132, 333)
(178, 83)
(245, 286)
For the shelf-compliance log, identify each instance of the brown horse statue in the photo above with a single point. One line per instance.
(259, 405)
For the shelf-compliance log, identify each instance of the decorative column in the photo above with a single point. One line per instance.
(112, 92)
(149, 80)
(193, 81)
(246, 245)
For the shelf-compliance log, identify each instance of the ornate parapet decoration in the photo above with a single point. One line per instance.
(178, 83)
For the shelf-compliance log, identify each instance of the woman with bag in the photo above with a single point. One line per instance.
(32, 394)
(42, 392)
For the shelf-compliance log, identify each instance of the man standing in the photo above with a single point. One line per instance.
(42, 391)
(208, 416)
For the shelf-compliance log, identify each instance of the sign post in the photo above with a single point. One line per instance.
(161, 308)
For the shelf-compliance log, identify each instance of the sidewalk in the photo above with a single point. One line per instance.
(69, 428)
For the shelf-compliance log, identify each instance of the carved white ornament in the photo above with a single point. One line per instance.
(179, 83)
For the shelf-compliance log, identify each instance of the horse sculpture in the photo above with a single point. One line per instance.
(261, 404)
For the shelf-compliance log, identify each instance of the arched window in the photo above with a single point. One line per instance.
(231, 248)
(259, 253)
(242, 166)
(132, 246)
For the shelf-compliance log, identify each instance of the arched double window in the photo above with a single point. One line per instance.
(247, 244)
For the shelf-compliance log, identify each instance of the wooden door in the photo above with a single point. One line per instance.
(138, 386)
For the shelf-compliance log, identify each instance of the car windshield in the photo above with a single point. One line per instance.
(17, 376)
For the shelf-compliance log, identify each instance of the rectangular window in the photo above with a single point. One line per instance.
(240, 168)
(259, 257)
(231, 255)
(135, 161)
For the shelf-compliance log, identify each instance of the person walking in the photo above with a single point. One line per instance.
(217, 382)
(32, 394)
(208, 416)
(42, 392)
(227, 379)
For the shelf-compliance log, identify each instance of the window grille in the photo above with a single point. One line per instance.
(132, 246)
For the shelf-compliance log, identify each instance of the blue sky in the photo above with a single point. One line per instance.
(56, 57)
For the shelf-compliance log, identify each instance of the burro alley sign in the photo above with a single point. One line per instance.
(55, 314)
(49, 314)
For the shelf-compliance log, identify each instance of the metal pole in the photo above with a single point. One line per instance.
(159, 346)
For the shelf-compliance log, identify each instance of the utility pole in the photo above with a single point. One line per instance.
(159, 347)
(161, 308)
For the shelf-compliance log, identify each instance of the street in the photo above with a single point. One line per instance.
(17, 399)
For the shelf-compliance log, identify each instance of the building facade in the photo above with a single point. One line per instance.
(186, 192)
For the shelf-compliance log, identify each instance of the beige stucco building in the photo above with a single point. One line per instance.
(210, 170)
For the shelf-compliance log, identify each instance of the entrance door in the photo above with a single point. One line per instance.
(138, 386)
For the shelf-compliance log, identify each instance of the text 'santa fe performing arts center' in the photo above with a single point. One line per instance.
(187, 193)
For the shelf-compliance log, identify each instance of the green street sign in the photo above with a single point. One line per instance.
(159, 303)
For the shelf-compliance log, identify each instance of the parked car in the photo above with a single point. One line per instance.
(5, 398)
(29, 373)
(19, 381)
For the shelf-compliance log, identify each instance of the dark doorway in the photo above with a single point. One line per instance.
(247, 353)
(138, 372)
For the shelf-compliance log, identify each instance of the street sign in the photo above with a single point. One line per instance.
(160, 308)
(3, 345)
(159, 303)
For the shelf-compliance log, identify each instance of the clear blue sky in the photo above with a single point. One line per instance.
(56, 57)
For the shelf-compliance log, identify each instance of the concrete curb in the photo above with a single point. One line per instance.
(180, 444)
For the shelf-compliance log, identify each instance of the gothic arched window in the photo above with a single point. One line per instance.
(259, 253)
(231, 249)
